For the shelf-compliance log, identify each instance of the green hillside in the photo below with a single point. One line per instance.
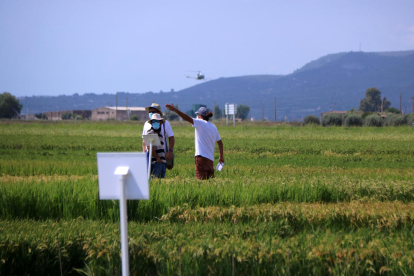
(338, 80)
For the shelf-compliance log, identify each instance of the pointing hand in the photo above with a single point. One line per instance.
(170, 106)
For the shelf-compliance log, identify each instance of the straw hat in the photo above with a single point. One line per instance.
(156, 106)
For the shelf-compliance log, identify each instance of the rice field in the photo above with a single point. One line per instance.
(290, 201)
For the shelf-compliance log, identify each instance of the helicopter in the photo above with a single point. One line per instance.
(199, 76)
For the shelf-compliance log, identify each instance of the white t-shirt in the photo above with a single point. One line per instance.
(206, 136)
(168, 132)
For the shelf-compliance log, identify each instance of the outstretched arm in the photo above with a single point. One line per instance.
(179, 113)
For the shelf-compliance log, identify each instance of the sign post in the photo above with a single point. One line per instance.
(122, 172)
(152, 140)
(231, 109)
(128, 171)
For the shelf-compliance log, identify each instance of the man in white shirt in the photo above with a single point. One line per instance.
(160, 126)
(206, 137)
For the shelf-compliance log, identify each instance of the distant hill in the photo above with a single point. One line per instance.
(336, 80)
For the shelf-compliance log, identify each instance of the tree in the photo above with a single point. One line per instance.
(217, 112)
(385, 103)
(9, 106)
(41, 116)
(392, 110)
(243, 111)
(372, 100)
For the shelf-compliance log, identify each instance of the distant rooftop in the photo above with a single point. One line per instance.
(132, 108)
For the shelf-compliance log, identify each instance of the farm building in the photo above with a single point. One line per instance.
(120, 113)
(57, 115)
(25, 117)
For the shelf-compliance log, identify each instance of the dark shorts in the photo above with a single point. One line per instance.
(158, 170)
(204, 168)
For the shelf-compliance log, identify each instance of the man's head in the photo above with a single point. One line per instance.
(204, 113)
(156, 121)
(154, 108)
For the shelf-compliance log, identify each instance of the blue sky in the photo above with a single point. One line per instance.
(66, 47)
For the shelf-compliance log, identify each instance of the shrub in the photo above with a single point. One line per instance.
(366, 114)
(353, 119)
(332, 120)
(66, 116)
(373, 120)
(394, 120)
(311, 119)
(41, 116)
(409, 118)
(134, 118)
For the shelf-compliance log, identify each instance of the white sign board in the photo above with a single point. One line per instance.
(136, 181)
(151, 139)
(230, 109)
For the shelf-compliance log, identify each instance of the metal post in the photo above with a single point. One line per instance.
(400, 102)
(275, 109)
(124, 227)
(149, 161)
(226, 107)
(234, 119)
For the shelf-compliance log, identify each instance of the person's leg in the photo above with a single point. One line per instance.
(158, 170)
(163, 170)
(204, 168)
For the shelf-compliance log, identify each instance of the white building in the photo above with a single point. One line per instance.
(118, 113)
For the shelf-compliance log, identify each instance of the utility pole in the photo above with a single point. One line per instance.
(126, 108)
(275, 109)
(412, 102)
(116, 106)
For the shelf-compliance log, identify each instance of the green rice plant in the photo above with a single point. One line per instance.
(201, 249)
(72, 197)
(290, 200)
(300, 216)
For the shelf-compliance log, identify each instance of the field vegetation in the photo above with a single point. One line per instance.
(291, 200)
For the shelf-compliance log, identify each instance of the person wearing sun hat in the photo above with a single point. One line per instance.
(205, 139)
(154, 108)
(157, 125)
